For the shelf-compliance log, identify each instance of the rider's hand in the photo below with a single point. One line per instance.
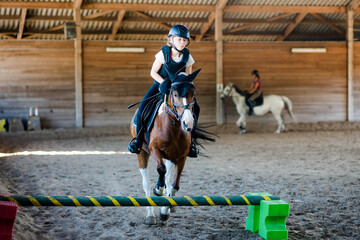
(164, 87)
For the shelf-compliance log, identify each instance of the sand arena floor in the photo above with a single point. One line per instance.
(315, 167)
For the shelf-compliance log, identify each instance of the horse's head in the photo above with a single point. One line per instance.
(182, 96)
(227, 92)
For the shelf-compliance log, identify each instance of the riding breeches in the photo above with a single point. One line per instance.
(154, 89)
(255, 95)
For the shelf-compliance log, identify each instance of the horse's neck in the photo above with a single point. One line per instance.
(239, 101)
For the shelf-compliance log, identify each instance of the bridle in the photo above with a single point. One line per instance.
(231, 87)
(173, 110)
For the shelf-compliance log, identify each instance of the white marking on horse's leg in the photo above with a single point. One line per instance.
(242, 123)
(150, 216)
(169, 164)
(279, 121)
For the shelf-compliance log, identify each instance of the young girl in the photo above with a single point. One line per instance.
(255, 91)
(176, 58)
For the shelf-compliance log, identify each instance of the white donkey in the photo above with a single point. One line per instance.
(272, 103)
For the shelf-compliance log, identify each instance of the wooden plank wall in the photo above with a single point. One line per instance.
(41, 73)
(357, 81)
(112, 81)
(315, 82)
(38, 74)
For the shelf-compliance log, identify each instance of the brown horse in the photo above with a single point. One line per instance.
(170, 139)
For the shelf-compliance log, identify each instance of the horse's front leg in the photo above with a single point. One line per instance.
(165, 211)
(143, 167)
(241, 123)
(159, 188)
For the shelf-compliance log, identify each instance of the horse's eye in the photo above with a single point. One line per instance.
(175, 95)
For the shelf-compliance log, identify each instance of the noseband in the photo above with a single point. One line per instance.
(232, 86)
(174, 110)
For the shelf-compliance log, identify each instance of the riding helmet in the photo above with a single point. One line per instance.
(180, 31)
(255, 72)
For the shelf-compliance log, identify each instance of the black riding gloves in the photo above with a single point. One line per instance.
(165, 86)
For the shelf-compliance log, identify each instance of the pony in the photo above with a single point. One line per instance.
(169, 140)
(272, 103)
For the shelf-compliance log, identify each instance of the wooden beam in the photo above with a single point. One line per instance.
(350, 64)
(256, 24)
(7, 36)
(117, 24)
(177, 7)
(97, 14)
(205, 27)
(79, 122)
(220, 106)
(47, 30)
(164, 25)
(36, 5)
(22, 23)
(292, 26)
(353, 5)
(323, 20)
(285, 9)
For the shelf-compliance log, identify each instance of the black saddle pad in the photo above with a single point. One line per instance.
(259, 101)
(149, 114)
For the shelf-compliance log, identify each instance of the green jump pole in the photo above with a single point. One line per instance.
(121, 201)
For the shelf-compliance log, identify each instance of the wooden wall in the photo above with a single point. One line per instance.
(38, 74)
(315, 82)
(112, 81)
(41, 73)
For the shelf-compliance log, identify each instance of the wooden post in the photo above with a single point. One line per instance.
(78, 68)
(220, 111)
(350, 64)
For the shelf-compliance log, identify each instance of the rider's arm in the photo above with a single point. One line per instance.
(254, 88)
(154, 71)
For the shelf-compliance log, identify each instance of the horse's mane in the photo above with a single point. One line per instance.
(238, 90)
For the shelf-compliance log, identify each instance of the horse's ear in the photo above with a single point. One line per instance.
(193, 75)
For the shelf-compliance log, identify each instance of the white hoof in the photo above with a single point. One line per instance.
(150, 220)
(159, 191)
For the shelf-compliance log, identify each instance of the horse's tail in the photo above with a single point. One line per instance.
(289, 106)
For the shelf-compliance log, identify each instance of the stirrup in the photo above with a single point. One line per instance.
(133, 146)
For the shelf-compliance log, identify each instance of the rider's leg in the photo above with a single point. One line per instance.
(193, 153)
(136, 143)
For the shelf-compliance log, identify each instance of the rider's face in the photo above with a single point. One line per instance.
(180, 43)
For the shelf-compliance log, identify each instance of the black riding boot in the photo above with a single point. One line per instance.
(135, 144)
(251, 105)
(194, 152)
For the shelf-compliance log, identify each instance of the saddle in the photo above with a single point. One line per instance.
(257, 102)
(149, 114)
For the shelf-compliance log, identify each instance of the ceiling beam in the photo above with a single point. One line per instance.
(116, 25)
(292, 26)
(161, 24)
(256, 24)
(180, 7)
(353, 5)
(7, 36)
(323, 20)
(166, 19)
(97, 14)
(22, 23)
(285, 9)
(205, 27)
(47, 30)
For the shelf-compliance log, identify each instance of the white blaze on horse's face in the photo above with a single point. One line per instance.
(187, 120)
(227, 91)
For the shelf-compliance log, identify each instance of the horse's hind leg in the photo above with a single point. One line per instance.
(280, 122)
(143, 164)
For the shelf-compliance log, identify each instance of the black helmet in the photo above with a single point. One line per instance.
(255, 72)
(179, 31)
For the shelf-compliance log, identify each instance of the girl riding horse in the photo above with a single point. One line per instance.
(176, 58)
